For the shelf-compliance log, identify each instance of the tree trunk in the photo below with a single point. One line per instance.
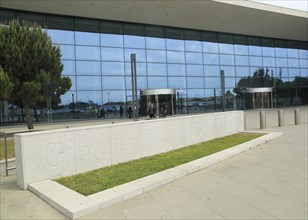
(27, 113)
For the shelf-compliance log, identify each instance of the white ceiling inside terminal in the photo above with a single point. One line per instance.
(242, 17)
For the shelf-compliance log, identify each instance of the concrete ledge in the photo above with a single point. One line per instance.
(74, 205)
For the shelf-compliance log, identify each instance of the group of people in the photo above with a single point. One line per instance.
(163, 110)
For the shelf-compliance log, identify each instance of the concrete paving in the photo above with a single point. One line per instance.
(267, 182)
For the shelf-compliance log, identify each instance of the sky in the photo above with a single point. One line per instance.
(293, 4)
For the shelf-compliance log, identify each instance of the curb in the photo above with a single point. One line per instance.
(74, 205)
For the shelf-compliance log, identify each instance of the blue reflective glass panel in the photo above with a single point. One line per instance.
(195, 46)
(229, 70)
(87, 53)
(255, 50)
(293, 53)
(294, 72)
(112, 68)
(241, 61)
(303, 63)
(226, 59)
(241, 49)
(155, 43)
(134, 41)
(88, 68)
(140, 55)
(89, 97)
(68, 67)
(242, 71)
(66, 99)
(155, 69)
(112, 40)
(304, 72)
(194, 70)
(226, 48)
(212, 82)
(281, 62)
(195, 82)
(175, 57)
(86, 38)
(173, 44)
(195, 94)
(210, 59)
(141, 69)
(61, 37)
(113, 96)
(229, 82)
(281, 52)
(73, 80)
(89, 83)
(141, 82)
(112, 54)
(156, 56)
(194, 58)
(303, 54)
(157, 82)
(68, 52)
(293, 63)
(268, 51)
(113, 82)
(268, 61)
(210, 47)
(177, 82)
(255, 61)
(282, 72)
(176, 70)
(211, 70)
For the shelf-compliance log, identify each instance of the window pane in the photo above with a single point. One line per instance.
(211, 71)
(113, 96)
(157, 82)
(155, 43)
(112, 54)
(86, 38)
(268, 51)
(294, 72)
(68, 67)
(73, 80)
(134, 41)
(281, 62)
(303, 63)
(194, 70)
(112, 40)
(194, 58)
(281, 52)
(87, 68)
(255, 61)
(61, 37)
(212, 82)
(89, 83)
(141, 69)
(226, 48)
(141, 82)
(229, 70)
(242, 71)
(193, 46)
(112, 68)
(282, 72)
(268, 61)
(210, 58)
(241, 49)
(87, 53)
(304, 72)
(175, 57)
(176, 70)
(210, 47)
(293, 63)
(303, 54)
(66, 99)
(226, 59)
(175, 44)
(229, 82)
(176, 82)
(90, 96)
(293, 53)
(241, 61)
(68, 52)
(113, 82)
(156, 56)
(156, 69)
(195, 82)
(140, 55)
(255, 50)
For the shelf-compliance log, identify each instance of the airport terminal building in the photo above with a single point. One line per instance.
(193, 56)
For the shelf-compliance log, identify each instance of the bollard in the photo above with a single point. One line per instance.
(280, 118)
(297, 116)
(262, 120)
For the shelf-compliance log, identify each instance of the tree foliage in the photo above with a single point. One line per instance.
(6, 86)
(32, 64)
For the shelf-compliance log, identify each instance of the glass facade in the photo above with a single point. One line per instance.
(96, 56)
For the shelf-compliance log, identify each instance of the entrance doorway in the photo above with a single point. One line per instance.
(162, 100)
(258, 98)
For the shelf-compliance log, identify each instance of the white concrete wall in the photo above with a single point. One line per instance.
(64, 152)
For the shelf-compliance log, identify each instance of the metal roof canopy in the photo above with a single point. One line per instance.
(238, 17)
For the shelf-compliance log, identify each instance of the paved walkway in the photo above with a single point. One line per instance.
(267, 182)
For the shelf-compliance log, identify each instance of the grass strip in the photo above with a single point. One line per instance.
(101, 179)
(10, 148)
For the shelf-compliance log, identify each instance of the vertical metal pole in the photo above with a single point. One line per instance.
(136, 89)
(172, 110)
(262, 120)
(222, 80)
(215, 99)
(5, 155)
(297, 116)
(133, 60)
(280, 118)
(157, 106)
